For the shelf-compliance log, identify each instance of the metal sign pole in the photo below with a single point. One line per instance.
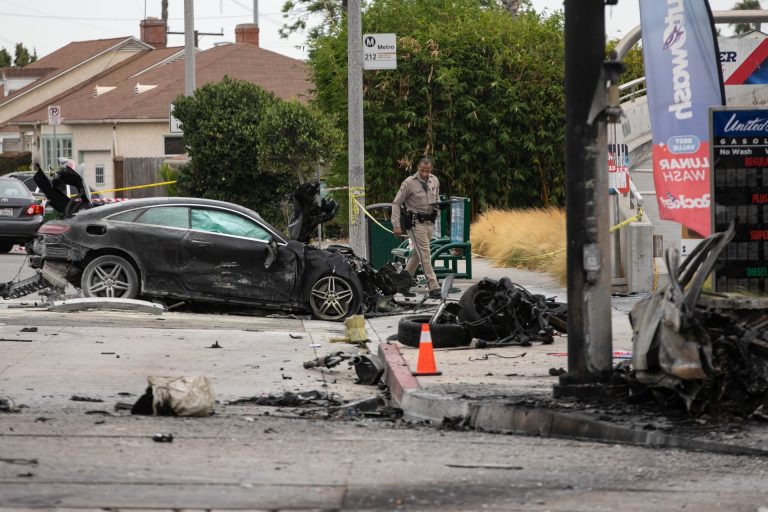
(357, 222)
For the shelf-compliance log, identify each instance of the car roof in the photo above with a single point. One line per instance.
(109, 209)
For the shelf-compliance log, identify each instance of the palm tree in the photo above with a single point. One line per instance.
(746, 5)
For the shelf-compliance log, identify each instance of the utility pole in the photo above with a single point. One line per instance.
(357, 223)
(256, 12)
(189, 47)
(587, 205)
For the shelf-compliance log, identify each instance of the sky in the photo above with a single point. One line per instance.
(47, 25)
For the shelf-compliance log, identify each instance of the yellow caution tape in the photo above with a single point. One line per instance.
(629, 221)
(541, 255)
(354, 204)
(359, 206)
(99, 192)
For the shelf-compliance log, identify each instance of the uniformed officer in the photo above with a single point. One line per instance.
(413, 212)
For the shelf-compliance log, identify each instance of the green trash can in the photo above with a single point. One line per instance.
(380, 241)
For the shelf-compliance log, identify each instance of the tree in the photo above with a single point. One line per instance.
(294, 138)
(478, 89)
(633, 61)
(746, 5)
(23, 57)
(5, 58)
(226, 126)
(298, 12)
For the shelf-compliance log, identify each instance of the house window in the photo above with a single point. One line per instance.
(174, 145)
(99, 174)
(55, 148)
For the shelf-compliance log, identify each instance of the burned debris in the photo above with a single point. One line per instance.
(707, 351)
(495, 313)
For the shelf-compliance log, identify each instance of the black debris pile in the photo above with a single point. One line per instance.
(505, 313)
(311, 398)
(707, 352)
(8, 405)
(369, 368)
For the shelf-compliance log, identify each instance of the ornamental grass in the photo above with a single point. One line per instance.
(532, 239)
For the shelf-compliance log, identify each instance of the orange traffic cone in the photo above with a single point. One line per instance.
(426, 363)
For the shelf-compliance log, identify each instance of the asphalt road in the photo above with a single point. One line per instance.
(65, 454)
(13, 264)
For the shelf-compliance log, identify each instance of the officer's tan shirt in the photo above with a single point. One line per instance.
(413, 196)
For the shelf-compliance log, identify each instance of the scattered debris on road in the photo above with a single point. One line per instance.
(215, 345)
(8, 405)
(106, 303)
(176, 396)
(29, 329)
(368, 367)
(78, 398)
(162, 437)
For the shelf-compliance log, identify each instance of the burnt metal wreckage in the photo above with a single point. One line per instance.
(706, 351)
(490, 313)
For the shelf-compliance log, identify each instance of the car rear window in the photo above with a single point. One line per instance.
(13, 188)
(128, 216)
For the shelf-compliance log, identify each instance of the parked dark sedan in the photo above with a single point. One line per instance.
(204, 250)
(20, 214)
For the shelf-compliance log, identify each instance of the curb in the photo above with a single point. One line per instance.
(420, 405)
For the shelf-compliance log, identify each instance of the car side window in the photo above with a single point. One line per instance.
(169, 216)
(128, 216)
(227, 223)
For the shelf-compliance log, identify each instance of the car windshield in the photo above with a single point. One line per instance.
(13, 188)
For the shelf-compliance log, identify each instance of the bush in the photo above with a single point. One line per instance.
(14, 161)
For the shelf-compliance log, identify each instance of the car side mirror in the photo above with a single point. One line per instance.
(271, 252)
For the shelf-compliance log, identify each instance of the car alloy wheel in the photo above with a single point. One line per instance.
(110, 276)
(332, 298)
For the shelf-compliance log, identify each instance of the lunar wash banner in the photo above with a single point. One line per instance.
(683, 80)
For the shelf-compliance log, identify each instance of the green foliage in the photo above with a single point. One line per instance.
(15, 161)
(227, 130)
(633, 61)
(298, 12)
(294, 138)
(746, 5)
(168, 173)
(23, 57)
(479, 90)
(5, 58)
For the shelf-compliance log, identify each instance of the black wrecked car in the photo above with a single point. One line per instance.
(212, 251)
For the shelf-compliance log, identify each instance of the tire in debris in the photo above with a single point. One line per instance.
(443, 335)
(469, 302)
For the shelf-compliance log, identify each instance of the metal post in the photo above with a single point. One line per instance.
(357, 224)
(56, 152)
(256, 12)
(320, 225)
(189, 47)
(587, 205)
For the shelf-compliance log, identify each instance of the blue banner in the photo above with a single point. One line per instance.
(683, 80)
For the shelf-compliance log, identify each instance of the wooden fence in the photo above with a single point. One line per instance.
(140, 171)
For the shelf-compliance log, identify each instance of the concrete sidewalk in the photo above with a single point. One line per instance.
(510, 389)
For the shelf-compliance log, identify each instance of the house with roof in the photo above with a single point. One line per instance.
(27, 87)
(117, 121)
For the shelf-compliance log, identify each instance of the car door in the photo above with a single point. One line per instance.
(224, 253)
(156, 235)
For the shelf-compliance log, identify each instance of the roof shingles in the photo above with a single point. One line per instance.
(286, 77)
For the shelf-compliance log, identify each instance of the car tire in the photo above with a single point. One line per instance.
(333, 298)
(110, 276)
(6, 247)
(469, 313)
(443, 335)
